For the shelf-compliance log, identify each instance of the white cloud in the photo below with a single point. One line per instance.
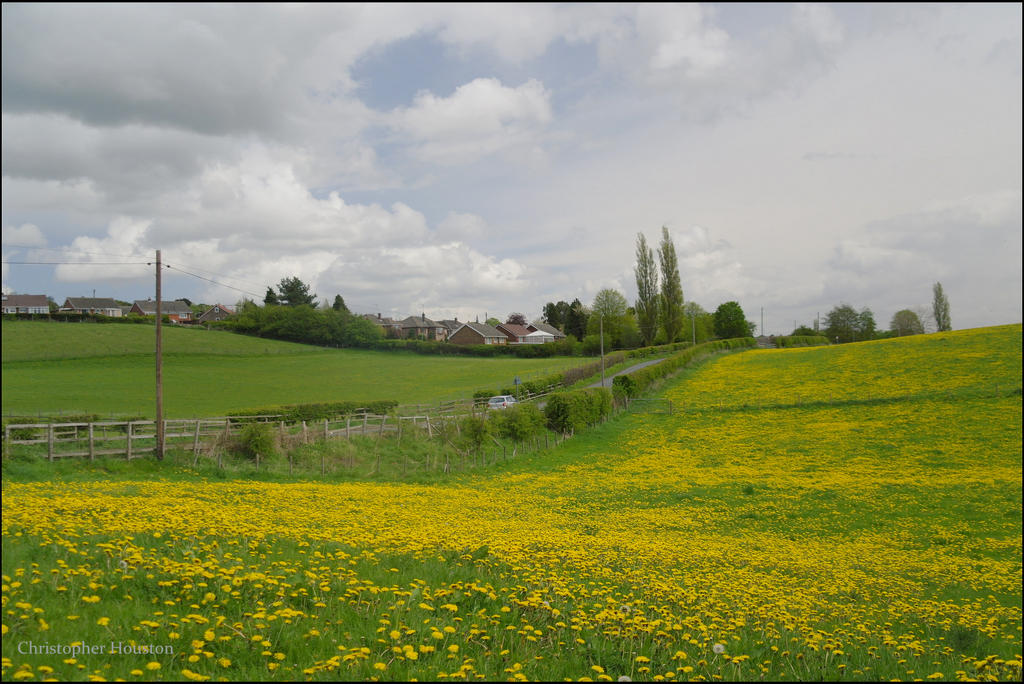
(25, 235)
(679, 38)
(515, 32)
(480, 118)
(117, 255)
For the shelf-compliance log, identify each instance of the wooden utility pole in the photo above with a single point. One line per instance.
(159, 367)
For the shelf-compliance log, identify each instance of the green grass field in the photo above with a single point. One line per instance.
(109, 369)
(769, 529)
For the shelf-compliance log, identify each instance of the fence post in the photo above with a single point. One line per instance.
(129, 440)
(92, 444)
(348, 426)
(327, 432)
(49, 443)
(195, 443)
(305, 434)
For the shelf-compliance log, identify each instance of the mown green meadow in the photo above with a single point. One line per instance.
(109, 369)
(758, 534)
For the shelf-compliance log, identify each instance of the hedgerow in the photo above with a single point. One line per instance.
(801, 341)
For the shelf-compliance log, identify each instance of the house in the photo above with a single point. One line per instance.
(26, 304)
(515, 333)
(550, 329)
(423, 328)
(104, 306)
(478, 333)
(391, 327)
(178, 311)
(217, 312)
(452, 324)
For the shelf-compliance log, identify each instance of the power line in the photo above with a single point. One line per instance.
(210, 280)
(213, 273)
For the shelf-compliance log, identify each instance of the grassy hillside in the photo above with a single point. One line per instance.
(982, 360)
(874, 540)
(109, 369)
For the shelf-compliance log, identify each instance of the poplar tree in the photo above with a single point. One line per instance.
(646, 272)
(940, 309)
(671, 303)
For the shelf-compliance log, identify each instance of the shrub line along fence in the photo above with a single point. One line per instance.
(137, 437)
(569, 411)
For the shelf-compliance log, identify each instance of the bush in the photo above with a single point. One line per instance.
(255, 439)
(624, 386)
(592, 345)
(519, 422)
(476, 430)
(568, 412)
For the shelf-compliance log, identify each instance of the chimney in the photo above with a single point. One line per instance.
(378, 316)
(423, 316)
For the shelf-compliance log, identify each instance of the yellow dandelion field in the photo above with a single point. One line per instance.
(828, 513)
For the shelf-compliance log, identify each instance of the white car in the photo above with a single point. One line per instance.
(501, 402)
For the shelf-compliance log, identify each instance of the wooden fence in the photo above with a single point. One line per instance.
(138, 437)
(211, 437)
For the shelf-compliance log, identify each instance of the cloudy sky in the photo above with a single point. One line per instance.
(463, 160)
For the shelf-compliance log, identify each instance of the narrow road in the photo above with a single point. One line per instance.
(608, 379)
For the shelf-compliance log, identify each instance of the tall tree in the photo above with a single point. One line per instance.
(730, 321)
(845, 324)
(555, 314)
(271, 297)
(866, 324)
(576, 320)
(940, 309)
(610, 311)
(671, 303)
(906, 322)
(294, 292)
(516, 318)
(339, 304)
(646, 272)
(841, 324)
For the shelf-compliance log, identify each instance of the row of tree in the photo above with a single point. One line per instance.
(845, 324)
(657, 317)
